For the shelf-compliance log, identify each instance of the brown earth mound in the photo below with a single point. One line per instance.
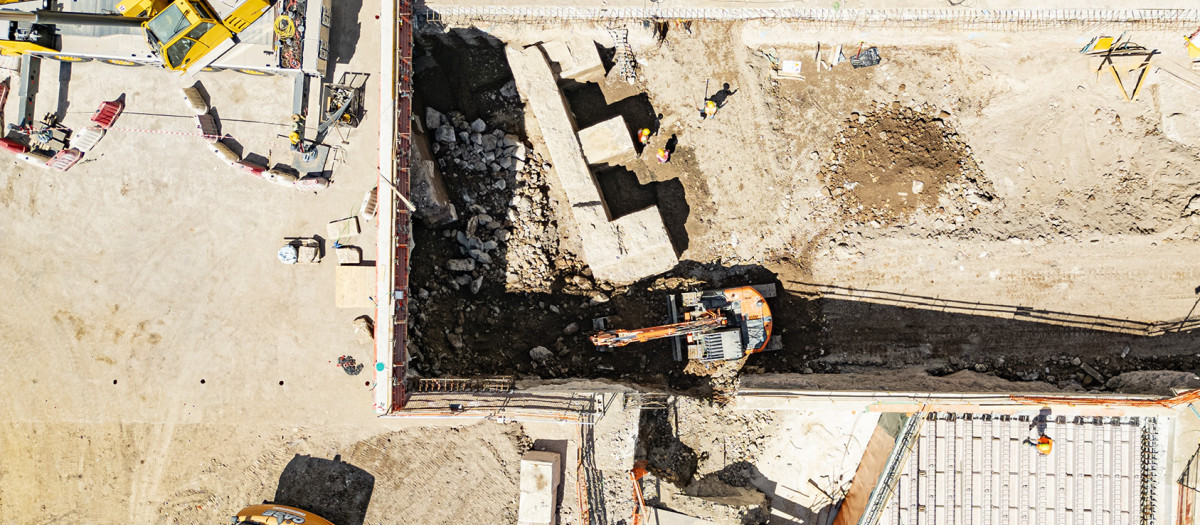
(892, 160)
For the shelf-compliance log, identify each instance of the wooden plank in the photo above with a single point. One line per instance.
(355, 287)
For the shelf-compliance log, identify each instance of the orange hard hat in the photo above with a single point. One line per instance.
(1044, 445)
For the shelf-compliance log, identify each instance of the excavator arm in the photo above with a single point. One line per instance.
(708, 320)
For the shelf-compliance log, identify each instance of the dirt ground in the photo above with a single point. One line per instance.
(161, 363)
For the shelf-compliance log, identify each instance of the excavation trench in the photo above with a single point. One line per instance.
(494, 295)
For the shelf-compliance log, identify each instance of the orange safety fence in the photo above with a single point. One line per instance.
(639, 503)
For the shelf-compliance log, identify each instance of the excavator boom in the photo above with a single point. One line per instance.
(708, 320)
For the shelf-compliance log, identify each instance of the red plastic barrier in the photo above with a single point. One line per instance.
(13, 146)
(108, 113)
(63, 160)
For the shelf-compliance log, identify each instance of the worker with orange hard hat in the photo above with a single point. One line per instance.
(1044, 445)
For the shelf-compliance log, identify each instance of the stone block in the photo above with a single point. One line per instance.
(607, 142)
(635, 246)
(539, 488)
(575, 59)
(536, 84)
(343, 228)
(429, 193)
(349, 255)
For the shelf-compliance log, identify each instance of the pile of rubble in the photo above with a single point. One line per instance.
(891, 161)
(510, 226)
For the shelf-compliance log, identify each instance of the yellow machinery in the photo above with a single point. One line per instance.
(182, 35)
(187, 34)
(268, 514)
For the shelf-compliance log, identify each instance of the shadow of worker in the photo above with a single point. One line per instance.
(721, 96)
(332, 489)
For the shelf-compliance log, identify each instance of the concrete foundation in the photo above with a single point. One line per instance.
(622, 251)
(539, 488)
(607, 142)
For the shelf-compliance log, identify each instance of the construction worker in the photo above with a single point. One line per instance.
(710, 109)
(1044, 445)
(663, 155)
(644, 136)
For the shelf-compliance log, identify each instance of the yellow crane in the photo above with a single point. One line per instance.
(187, 34)
(182, 35)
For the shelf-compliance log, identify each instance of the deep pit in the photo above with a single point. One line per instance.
(493, 293)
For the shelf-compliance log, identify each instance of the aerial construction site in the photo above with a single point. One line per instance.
(665, 262)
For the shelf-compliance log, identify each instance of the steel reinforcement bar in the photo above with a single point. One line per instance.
(1000, 19)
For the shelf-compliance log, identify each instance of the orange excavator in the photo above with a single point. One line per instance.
(706, 321)
(717, 325)
(270, 514)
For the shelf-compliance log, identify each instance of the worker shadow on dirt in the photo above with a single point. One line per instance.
(722, 95)
(330, 488)
(624, 195)
(347, 27)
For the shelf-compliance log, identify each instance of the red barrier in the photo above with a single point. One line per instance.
(13, 146)
(107, 115)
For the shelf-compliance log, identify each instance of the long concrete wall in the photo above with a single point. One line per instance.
(621, 251)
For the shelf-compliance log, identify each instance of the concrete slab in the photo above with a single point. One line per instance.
(539, 488)
(575, 59)
(607, 142)
(535, 82)
(1176, 102)
(428, 191)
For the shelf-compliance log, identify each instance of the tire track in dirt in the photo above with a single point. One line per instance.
(148, 476)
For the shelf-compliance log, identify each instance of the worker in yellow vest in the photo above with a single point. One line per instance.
(1044, 445)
